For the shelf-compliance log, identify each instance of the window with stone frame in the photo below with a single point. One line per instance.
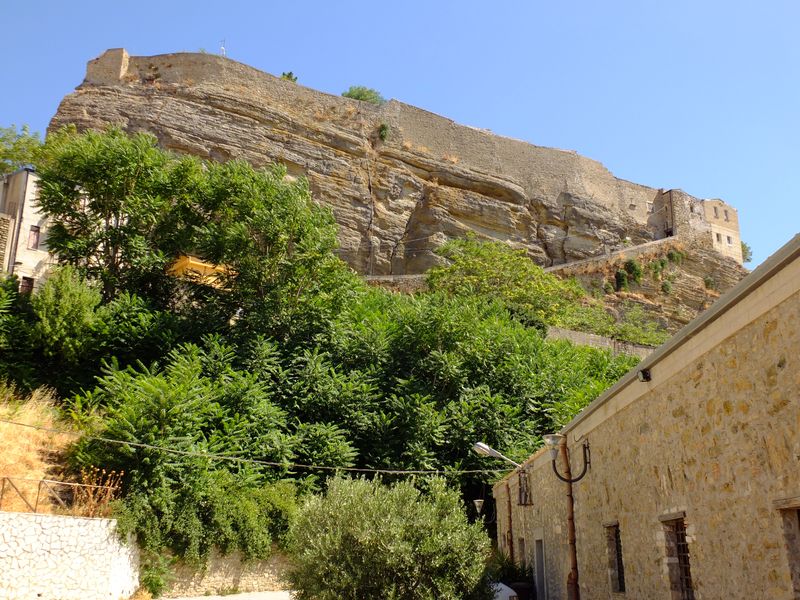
(677, 556)
(616, 568)
(791, 533)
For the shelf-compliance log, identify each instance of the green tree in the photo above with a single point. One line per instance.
(66, 317)
(289, 76)
(365, 94)
(17, 148)
(109, 198)
(366, 541)
(747, 253)
(282, 278)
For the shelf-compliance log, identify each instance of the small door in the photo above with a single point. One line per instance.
(541, 593)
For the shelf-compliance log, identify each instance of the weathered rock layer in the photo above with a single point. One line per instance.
(399, 180)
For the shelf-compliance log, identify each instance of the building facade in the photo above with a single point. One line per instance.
(23, 231)
(693, 489)
(712, 223)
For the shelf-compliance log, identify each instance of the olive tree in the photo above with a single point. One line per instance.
(365, 540)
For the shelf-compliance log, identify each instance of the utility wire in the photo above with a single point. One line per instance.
(256, 461)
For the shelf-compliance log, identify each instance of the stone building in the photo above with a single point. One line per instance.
(724, 223)
(693, 488)
(23, 230)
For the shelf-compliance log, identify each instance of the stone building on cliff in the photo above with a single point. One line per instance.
(693, 488)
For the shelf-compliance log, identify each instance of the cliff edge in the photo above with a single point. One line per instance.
(400, 180)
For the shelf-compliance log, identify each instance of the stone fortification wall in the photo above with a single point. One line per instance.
(712, 438)
(64, 558)
(400, 180)
(581, 338)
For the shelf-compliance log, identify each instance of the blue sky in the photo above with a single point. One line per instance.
(703, 95)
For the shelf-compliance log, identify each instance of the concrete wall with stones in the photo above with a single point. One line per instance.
(64, 558)
(715, 435)
(228, 574)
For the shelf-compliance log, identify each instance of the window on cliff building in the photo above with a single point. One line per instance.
(719, 238)
(730, 241)
(678, 564)
(716, 213)
(791, 532)
(726, 215)
(616, 570)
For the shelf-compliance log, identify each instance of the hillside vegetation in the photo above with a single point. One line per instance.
(287, 367)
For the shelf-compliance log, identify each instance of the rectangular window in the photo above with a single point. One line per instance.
(679, 568)
(616, 569)
(726, 215)
(716, 213)
(33, 238)
(719, 238)
(525, 497)
(730, 241)
(26, 285)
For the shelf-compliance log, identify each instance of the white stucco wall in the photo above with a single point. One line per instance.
(64, 558)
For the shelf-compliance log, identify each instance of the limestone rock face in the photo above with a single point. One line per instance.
(400, 180)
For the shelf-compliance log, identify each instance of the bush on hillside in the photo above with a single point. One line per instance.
(367, 541)
(365, 94)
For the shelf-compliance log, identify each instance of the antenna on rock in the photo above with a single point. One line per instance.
(222, 47)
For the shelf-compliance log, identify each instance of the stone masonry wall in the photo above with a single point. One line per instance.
(64, 558)
(228, 574)
(713, 436)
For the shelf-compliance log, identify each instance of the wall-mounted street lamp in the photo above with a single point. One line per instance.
(557, 443)
(478, 502)
(553, 442)
(486, 450)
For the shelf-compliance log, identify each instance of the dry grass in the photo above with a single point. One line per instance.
(27, 453)
(451, 158)
(142, 594)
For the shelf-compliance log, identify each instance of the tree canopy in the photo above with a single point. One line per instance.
(17, 148)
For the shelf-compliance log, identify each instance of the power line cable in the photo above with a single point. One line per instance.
(259, 462)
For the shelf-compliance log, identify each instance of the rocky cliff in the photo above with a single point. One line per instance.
(400, 180)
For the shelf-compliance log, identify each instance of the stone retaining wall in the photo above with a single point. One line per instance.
(581, 338)
(228, 574)
(64, 558)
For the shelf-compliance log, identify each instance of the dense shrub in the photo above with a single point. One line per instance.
(365, 94)
(621, 280)
(634, 270)
(367, 541)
